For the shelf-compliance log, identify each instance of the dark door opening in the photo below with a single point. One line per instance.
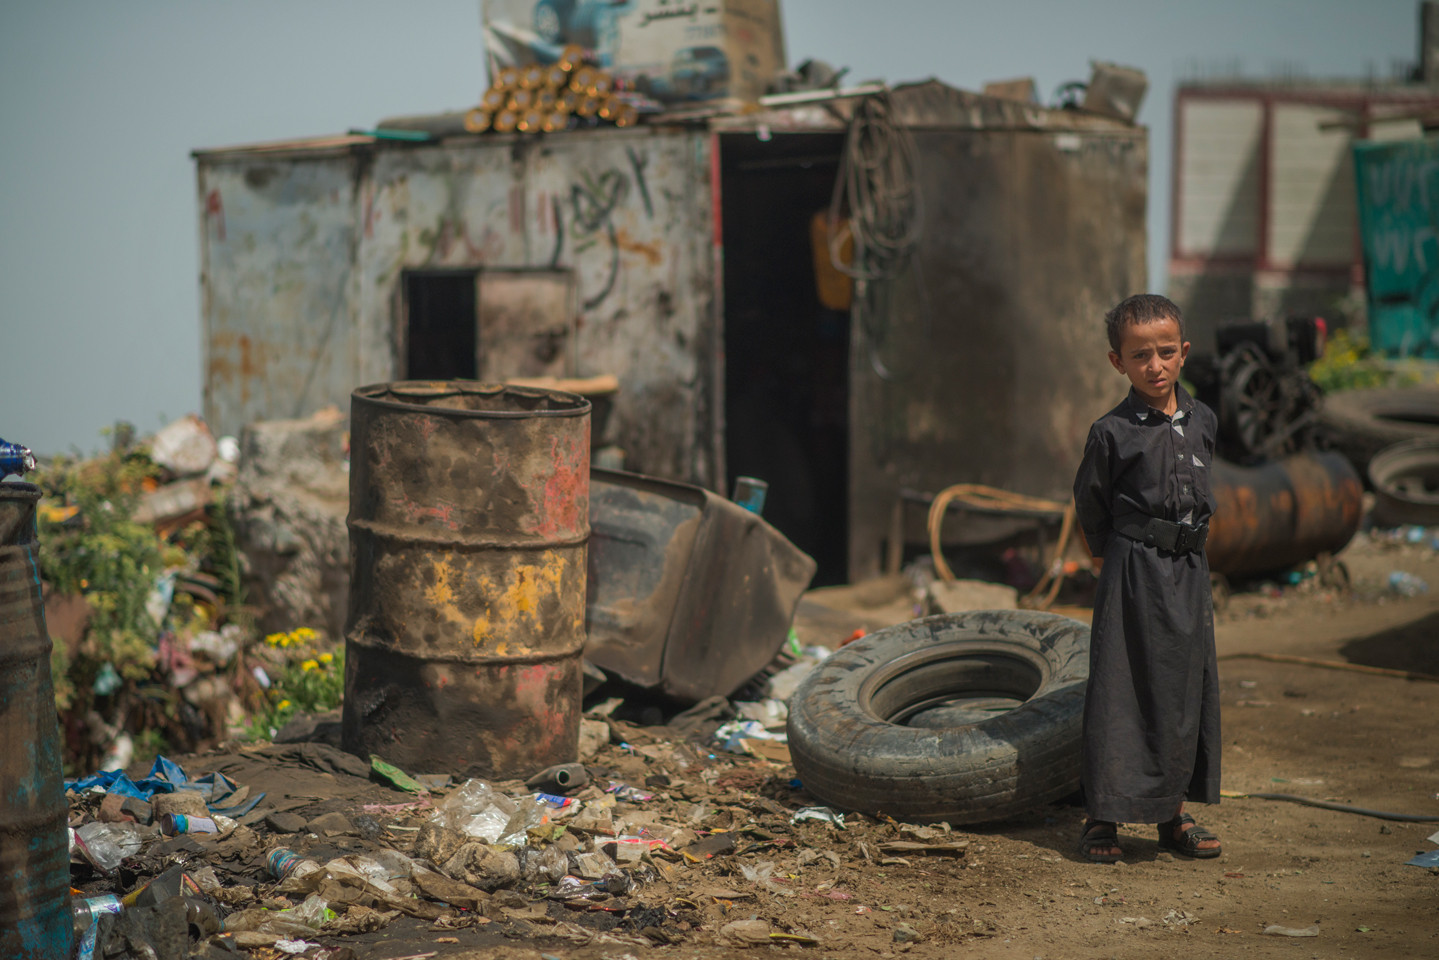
(786, 354)
(439, 328)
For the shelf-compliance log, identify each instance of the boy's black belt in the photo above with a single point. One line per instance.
(1164, 534)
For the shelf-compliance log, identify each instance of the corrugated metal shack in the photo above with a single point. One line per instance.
(678, 257)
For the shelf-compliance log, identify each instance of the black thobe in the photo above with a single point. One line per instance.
(1151, 711)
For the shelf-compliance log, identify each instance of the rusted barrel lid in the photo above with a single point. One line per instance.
(474, 399)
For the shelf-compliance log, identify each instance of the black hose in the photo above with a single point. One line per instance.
(1344, 807)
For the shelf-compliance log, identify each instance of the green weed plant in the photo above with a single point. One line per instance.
(310, 679)
(1348, 363)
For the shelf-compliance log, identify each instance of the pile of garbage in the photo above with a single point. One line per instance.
(660, 836)
(156, 645)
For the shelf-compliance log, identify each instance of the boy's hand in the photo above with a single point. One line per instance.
(1097, 563)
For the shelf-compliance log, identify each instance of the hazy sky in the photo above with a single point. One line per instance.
(101, 102)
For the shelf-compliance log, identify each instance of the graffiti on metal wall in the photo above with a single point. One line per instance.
(587, 215)
(1398, 190)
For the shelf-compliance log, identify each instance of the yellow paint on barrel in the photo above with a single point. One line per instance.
(518, 607)
(441, 593)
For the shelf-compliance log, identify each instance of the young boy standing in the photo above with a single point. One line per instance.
(1151, 713)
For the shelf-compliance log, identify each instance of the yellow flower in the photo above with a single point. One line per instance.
(302, 634)
(309, 665)
(326, 657)
(276, 639)
(282, 705)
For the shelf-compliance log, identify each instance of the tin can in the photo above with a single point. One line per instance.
(749, 492)
(15, 459)
(86, 913)
(284, 863)
(173, 824)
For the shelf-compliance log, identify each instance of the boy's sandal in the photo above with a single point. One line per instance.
(1193, 837)
(1099, 835)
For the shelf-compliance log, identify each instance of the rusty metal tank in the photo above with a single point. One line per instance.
(469, 519)
(34, 851)
(1282, 513)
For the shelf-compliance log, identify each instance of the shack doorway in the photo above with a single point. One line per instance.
(437, 328)
(786, 352)
(491, 324)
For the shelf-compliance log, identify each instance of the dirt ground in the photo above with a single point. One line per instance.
(1018, 890)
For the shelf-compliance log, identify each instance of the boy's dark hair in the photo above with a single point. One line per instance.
(1140, 308)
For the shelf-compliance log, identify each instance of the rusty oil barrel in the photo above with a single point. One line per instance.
(469, 519)
(34, 849)
(1282, 513)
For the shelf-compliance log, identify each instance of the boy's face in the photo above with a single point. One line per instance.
(1151, 356)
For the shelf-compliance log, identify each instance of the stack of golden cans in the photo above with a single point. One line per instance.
(567, 93)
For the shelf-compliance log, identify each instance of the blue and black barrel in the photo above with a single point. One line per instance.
(35, 919)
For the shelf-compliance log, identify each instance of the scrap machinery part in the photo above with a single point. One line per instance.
(1282, 513)
(469, 522)
(1266, 403)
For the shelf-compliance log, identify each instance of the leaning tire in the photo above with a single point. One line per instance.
(868, 729)
(1360, 423)
(1405, 478)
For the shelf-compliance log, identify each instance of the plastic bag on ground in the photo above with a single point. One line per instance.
(107, 844)
(477, 810)
(530, 814)
(547, 863)
(762, 874)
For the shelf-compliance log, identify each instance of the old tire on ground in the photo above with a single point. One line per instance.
(1360, 423)
(1405, 478)
(964, 717)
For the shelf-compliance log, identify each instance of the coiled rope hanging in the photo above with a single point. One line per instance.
(876, 187)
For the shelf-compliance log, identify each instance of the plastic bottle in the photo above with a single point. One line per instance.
(107, 844)
(1406, 584)
(284, 864)
(560, 777)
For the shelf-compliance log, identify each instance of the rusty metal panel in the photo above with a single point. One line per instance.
(277, 239)
(469, 516)
(627, 212)
(689, 593)
(985, 363)
(526, 324)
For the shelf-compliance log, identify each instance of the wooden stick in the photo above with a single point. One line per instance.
(1333, 665)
